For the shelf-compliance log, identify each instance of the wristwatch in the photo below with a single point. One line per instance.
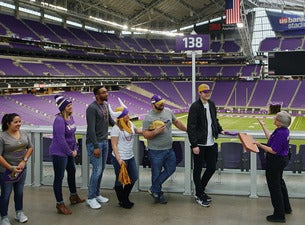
(25, 159)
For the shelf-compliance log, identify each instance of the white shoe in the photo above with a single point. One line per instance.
(20, 217)
(93, 203)
(102, 199)
(5, 221)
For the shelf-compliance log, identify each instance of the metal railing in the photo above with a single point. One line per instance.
(35, 164)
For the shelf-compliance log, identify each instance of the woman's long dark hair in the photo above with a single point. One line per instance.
(7, 119)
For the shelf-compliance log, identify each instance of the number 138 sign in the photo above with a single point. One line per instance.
(193, 42)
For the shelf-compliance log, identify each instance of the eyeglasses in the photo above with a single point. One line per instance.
(207, 91)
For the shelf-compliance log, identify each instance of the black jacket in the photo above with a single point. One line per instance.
(197, 123)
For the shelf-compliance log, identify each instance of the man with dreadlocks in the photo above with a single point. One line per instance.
(122, 138)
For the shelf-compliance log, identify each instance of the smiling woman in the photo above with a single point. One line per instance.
(63, 150)
(15, 150)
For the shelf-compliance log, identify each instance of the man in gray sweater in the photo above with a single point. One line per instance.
(98, 121)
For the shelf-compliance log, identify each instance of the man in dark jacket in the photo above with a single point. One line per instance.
(202, 128)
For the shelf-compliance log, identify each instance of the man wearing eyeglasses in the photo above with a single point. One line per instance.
(202, 128)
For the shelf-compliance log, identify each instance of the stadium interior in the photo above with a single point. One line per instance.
(69, 47)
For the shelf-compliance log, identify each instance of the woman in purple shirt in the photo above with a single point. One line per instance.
(63, 150)
(277, 150)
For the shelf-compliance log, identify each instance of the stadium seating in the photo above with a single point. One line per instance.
(178, 147)
(283, 43)
(291, 43)
(298, 101)
(52, 33)
(300, 159)
(270, 44)
(230, 71)
(172, 81)
(284, 96)
(230, 46)
(40, 110)
(233, 156)
(263, 91)
(9, 68)
(18, 28)
(292, 166)
(261, 159)
(46, 142)
(241, 94)
(209, 71)
(221, 91)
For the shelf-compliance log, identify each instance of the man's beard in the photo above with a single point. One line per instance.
(103, 99)
(160, 108)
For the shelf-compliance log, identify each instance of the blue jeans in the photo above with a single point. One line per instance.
(60, 164)
(6, 190)
(163, 165)
(98, 166)
(131, 167)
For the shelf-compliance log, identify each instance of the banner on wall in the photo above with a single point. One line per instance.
(283, 22)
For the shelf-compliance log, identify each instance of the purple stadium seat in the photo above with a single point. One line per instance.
(241, 93)
(291, 43)
(262, 93)
(298, 101)
(284, 91)
(232, 156)
(270, 44)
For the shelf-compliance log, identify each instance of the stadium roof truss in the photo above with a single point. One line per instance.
(153, 14)
(293, 5)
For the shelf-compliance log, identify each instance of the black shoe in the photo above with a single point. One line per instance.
(288, 211)
(208, 198)
(162, 199)
(126, 205)
(201, 200)
(276, 219)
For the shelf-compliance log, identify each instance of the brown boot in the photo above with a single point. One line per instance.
(62, 209)
(75, 199)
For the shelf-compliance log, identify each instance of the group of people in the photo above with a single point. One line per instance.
(202, 128)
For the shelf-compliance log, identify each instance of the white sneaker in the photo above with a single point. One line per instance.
(20, 217)
(5, 221)
(93, 203)
(102, 199)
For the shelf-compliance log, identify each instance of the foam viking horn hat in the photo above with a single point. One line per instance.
(120, 111)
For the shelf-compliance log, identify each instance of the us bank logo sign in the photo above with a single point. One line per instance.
(283, 22)
(293, 22)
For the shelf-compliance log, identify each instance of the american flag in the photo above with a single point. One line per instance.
(232, 11)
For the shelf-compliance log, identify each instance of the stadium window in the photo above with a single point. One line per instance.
(109, 31)
(29, 11)
(74, 23)
(124, 32)
(6, 5)
(91, 28)
(53, 18)
(261, 28)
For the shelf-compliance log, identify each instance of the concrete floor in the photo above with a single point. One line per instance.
(39, 206)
